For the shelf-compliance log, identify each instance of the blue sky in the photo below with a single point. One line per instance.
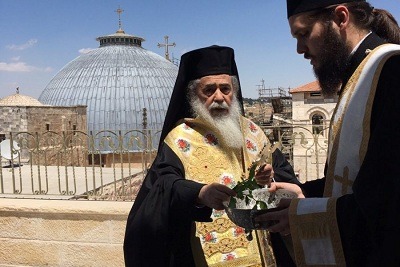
(39, 37)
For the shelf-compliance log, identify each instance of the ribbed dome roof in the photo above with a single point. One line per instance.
(116, 82)
(19, 100)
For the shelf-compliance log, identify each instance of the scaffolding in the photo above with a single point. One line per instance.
(276, 126)
(279, 98)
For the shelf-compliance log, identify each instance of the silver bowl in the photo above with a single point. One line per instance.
(245, 218)
(244, 213)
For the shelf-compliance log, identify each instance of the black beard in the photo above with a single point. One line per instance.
(334, 60)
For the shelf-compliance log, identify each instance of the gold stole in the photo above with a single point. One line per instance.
(205, 161)
(315, 232)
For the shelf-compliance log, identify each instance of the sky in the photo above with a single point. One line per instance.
(40, 37)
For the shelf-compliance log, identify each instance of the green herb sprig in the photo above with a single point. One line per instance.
(245, 187)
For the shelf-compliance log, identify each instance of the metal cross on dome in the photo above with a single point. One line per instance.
(166, 45)
(119, 11)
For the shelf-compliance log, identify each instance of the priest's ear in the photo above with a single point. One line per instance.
(341, 17)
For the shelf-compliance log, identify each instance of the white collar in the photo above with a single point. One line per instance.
(359, 43)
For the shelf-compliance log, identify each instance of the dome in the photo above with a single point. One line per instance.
(118, 82)
(19, 100)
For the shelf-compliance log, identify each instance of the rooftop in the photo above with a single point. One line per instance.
(309, 87)
(19, 100)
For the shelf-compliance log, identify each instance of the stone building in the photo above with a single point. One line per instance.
(35, 125)
(311, 114)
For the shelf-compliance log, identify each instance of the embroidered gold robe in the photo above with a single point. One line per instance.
(206, 161)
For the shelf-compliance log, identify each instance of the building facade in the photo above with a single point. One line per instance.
(311, 114)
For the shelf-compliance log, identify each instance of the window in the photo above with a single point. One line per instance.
(47, 127)
(317, 122)
(315, 94)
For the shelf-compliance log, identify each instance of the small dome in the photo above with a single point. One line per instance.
(19, 100)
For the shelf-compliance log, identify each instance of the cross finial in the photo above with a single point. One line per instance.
(166, 45)
(119, 11)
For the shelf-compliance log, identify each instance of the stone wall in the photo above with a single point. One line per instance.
(62, 233)
(41, 126)
(13, 119)
(57, 119)
(36, 118)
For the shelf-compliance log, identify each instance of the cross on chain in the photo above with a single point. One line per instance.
(166, 45)
(345, 181)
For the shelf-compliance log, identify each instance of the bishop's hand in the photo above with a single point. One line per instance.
(214, 195)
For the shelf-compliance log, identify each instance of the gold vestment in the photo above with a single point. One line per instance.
(206, 161)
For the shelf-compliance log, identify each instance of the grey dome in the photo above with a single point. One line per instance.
(116, 82)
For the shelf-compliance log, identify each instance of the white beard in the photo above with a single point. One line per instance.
(226, 125)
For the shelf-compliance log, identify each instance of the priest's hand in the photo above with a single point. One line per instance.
(287, 186)
(265, 175)
(281, 217)
(213, 195)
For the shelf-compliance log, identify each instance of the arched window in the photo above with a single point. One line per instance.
(317, 124)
